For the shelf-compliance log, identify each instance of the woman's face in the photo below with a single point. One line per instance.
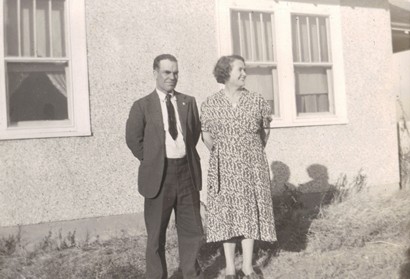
(238, 74)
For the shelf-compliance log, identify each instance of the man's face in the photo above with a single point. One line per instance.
(166, 75)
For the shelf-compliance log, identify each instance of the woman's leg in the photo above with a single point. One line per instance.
(247, 252)
(229, 249)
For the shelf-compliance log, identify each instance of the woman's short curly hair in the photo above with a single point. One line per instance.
(223, 67)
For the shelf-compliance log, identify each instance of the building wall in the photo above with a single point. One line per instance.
(67, 178)
(369, 140)
(45, 180)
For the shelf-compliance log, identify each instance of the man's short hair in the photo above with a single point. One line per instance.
(158, 59)
(223, 67)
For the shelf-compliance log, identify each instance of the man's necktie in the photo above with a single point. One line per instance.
(172, 121)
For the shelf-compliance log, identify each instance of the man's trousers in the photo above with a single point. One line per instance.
(177, 193)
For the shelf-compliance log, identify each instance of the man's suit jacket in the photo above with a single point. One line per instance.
(145, 137)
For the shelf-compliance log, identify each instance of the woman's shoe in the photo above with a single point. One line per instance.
(253, 275)
(230, 276)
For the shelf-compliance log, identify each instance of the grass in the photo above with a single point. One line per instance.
(116, 258)
(358, 238)
(357, 235)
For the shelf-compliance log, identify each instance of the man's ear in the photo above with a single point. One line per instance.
(155, 72)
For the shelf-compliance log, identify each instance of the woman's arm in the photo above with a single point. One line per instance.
(208, 140)
(265, 136)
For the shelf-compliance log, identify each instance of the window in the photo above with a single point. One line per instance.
(293, 54)
(252, 36)
(44, 77)
(311, 59)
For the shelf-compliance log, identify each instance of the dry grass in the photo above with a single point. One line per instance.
(361, 220)
(357, 236)
(117, 258)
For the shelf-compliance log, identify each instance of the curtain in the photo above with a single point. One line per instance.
(15, 79)
(312, 89)
(58, 80)
(313, 103)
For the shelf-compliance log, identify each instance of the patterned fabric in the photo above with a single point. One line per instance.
(239, 198)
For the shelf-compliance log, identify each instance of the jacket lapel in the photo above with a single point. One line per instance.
(182, 111)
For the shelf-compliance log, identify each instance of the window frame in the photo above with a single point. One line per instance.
(282, 13)
(77, 82)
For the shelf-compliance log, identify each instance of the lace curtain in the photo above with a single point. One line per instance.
(16, 79)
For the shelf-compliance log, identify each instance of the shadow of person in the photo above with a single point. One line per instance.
(316, 192)
(210, 258)
(285, 207)
(405, 267)
(296, 207)
(312, 195)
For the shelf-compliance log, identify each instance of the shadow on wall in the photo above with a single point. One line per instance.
(296, 207)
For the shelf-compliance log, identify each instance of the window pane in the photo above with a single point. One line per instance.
(263, 36)
(27, 32)
(314, 39)
(304, 38)
(296, 40)
(241, 34)
(261, 80)
(36, 92)
(323, 39)
(252, 35)
(267, 20)
(257, 31)
(312, 90)
(58, 28)
(42, 28)
(309, 36)
(236, 38)
(11, 27)
(48, 38)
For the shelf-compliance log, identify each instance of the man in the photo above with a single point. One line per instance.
(162, 131)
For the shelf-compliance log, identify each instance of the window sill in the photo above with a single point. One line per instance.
(308, 121)
(12, 134)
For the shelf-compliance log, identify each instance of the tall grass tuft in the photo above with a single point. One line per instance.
(359, 235)
(357, 217)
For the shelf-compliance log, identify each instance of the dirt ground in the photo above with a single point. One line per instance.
(356, 237)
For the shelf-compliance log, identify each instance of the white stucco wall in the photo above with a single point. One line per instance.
(68, 178)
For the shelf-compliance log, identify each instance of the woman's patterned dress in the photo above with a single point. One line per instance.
(239, 197)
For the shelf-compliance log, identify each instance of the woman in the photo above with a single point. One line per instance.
(235, 126)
